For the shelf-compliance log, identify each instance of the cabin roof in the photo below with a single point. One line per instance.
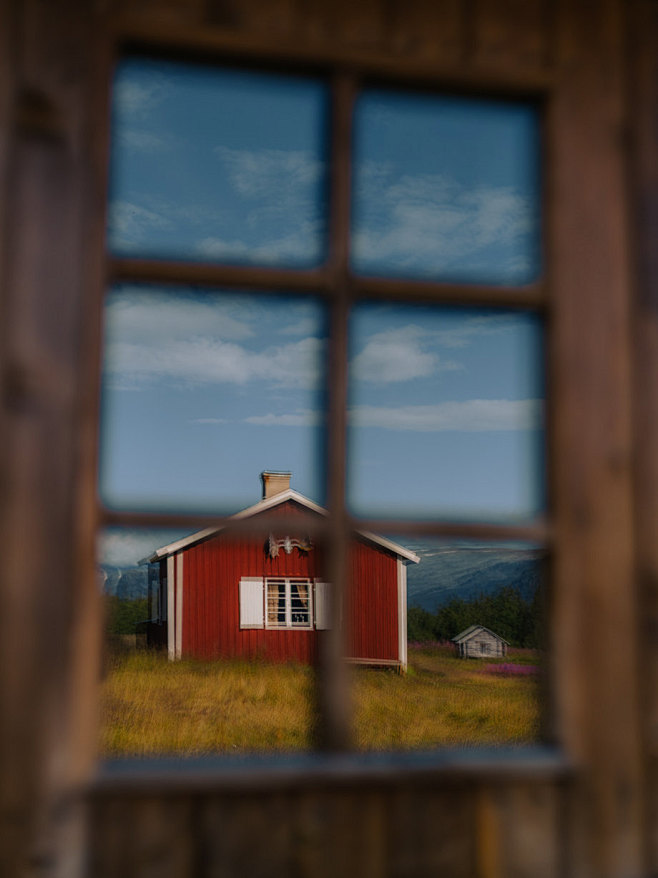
(472, 630)
(264, 506)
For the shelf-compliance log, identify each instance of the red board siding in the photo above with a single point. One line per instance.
(211, 620)
(373, 603)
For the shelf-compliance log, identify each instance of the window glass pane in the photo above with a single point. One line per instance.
(475, 649)
(202, 392)
(217, 165)
(211, 638)
(446, 188)
(446, 413)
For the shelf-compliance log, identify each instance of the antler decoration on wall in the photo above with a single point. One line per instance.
(288, 544)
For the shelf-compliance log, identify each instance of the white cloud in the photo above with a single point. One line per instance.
(129, 222)
(154, 318)
(204, 360)
(127, 548)
(473, 416)
(302, 244)
(260, 173)
(143, 141)
(303, 326)
(190, 339)
(140, 97)
(209, 421)
(430, 223)
(398, 355)
(303, 418)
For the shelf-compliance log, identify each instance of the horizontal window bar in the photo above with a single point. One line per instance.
(322, 280)
(536, 532)
(407, 291)
(223, 774)
(258, 524)
(213, 275)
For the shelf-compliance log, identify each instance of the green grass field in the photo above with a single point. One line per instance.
(150, 706)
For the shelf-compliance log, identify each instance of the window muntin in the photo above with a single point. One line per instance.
(289, 602)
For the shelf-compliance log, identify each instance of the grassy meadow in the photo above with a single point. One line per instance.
(150, 706)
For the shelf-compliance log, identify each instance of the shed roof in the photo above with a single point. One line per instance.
(472, 630)
(269, 503)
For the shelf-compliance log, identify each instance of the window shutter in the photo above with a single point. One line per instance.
(251, 602)
(322, 605)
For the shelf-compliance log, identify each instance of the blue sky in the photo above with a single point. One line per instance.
(204, 389)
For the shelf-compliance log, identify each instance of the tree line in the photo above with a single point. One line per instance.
(121, 616)
(506, 612)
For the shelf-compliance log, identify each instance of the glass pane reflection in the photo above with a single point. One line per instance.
(216, 164)
(202, 392)
(446, 414)
(446, 188)
(476, 651)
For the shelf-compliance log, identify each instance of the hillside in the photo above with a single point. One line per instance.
(444, 572)
(467, 570)
(125, 583)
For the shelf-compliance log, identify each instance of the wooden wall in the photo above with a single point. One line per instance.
(588, 809)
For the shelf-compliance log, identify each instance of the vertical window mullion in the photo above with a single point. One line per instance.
(334, 727)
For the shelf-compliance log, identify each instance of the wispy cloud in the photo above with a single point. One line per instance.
(303, 418)
(400, 354)
(143, 141)
(473, 416)
(429, 223)
(255, 173)
(134, 96)
(213, 361)
(301, 245)
(157, 317)
(129, 224)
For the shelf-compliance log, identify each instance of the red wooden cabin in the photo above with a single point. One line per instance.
(255, 596)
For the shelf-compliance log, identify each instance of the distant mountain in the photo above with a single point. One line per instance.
(465, 571)
(127, 583)
(444, 572)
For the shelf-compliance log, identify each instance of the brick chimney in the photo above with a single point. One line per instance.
(274, 483)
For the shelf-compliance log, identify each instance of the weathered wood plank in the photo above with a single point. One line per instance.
(595, 691)
(48, 599)
(518, 831)
(643, 53)
(431, 29)
(430, 832)
(513, 33)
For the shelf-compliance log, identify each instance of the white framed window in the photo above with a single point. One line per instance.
(289, 603)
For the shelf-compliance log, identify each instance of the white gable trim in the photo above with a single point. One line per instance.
(402, 614)
(271, 503)
(179, 605)
(171, 609)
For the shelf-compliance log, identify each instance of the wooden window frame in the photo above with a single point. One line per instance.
(289, 625)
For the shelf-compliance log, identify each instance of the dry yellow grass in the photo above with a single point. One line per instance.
(150, 706)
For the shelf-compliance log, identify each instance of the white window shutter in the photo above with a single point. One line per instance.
(322, 605)
(251, 602)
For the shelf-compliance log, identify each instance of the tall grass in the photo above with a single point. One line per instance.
(151, 706)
